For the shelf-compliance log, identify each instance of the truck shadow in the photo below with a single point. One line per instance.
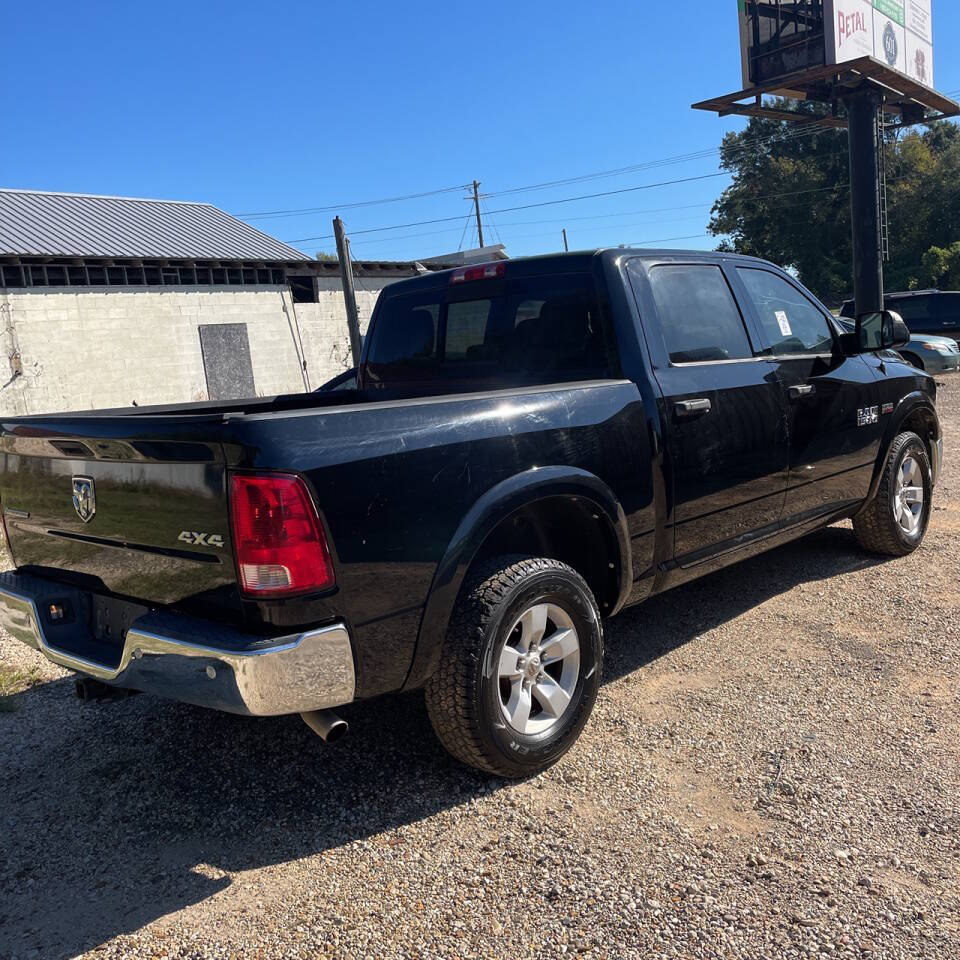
(116, 815)
(654, 628)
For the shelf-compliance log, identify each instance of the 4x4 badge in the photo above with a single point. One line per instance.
(84, 498)
(201, 539)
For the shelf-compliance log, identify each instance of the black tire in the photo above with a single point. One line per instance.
(464, 693)
(876, 526)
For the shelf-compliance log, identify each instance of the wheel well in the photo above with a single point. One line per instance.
(923, 423)
(912, 359)
(573, 530)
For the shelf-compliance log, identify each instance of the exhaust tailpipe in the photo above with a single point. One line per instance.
(327, 724)
(89, 689)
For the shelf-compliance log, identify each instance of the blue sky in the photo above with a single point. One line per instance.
(270, 107)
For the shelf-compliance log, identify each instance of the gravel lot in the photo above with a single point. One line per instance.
(772, 771)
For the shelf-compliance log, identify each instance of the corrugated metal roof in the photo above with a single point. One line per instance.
(36, 223)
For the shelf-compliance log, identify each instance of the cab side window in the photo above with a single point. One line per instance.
(790, 322)
(699, 318)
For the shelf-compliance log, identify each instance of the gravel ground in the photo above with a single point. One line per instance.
(772, 771)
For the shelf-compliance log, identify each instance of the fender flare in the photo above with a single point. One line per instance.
(494, 506)
(913, 401)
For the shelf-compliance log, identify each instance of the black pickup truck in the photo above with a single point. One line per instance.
(530, 447)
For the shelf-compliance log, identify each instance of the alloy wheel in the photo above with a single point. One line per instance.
(539, 667)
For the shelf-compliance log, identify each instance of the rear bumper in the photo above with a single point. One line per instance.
(185, 658)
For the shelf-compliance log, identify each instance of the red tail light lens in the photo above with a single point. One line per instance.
(484, 271)
(277, 537)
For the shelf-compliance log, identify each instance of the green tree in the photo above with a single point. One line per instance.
(789, 201)
(941, 266)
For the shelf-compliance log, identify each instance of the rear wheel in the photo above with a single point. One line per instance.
(896, 520)
(520, 668)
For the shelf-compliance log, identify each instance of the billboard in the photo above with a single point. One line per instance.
(783, 36)
(898, 33)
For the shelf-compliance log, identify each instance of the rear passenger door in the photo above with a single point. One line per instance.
(724, 409)
(835, 422)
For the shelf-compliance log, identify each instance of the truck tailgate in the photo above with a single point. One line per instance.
(129, 505)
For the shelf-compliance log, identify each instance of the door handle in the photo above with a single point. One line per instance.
(691, 408)
(801, 390)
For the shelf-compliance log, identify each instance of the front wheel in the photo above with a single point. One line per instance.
(895, 521)
(520, 668)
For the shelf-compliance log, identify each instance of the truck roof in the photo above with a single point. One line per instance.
(572, 262)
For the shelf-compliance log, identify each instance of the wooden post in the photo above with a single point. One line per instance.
(349, 294)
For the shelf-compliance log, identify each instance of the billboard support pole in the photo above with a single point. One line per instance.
(862, 106)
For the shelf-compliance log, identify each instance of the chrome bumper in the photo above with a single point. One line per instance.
(937, 465)
(185, 658)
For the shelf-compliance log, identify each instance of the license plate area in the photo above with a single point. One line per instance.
(110, 619)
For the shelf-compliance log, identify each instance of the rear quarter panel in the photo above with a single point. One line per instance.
(394, 480)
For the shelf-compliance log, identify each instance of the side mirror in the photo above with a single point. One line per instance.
(883, 330)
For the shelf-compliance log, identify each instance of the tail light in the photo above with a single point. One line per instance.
(279, 543)
(484, 271)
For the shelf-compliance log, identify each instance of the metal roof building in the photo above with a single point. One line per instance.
(71, 239)
(83, 240)
(35, 223)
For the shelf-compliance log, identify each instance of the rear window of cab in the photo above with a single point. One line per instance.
(547, 329)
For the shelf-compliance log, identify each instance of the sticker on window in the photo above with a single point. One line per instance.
(784, 324)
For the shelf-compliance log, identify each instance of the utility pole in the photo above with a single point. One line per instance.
(349, 295)
(862, 107)
(476, 203)
(566, 246)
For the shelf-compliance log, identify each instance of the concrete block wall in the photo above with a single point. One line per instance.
(89, 348)
(323, 327)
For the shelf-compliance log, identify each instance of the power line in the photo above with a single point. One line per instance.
(809, 128)
(644, 243)
(491, 221)
(533, 223)
(609, 216)
(544, 203)
(466, 223)
(806, 129)
(303, 211)
(746, 200)
(522, 236)
(784, 136)
(769, 196)
(527, 206)
(802, 130)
